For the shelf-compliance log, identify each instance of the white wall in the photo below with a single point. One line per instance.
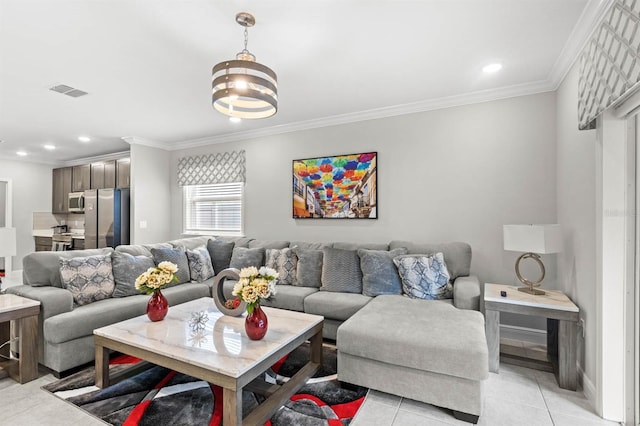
(577, 214)
(31, 192)
(150, 195)
(455, 174)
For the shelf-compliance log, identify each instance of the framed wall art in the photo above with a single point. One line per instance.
(336, 187)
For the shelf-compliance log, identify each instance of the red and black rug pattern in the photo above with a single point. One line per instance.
(159, 396)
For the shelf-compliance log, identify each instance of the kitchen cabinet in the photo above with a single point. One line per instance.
(103, 174)
(123, 173)
(81, 177)
(61, 187)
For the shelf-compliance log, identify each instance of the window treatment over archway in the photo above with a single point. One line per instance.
(224, 167)
(610, 63)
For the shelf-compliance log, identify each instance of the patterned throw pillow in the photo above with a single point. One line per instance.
(88, 278)
(424, 277)
(177, 256)
(285, 262)
(126, 268)
(341, 271)
(200, 264)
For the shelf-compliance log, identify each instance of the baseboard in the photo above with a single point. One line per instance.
(588, 388)
(532, 335)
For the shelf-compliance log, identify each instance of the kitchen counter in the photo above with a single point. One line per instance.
(48, 233)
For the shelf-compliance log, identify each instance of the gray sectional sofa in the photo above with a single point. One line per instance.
(336, 280)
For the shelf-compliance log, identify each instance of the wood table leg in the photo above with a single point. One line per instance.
(492, 328)
(28, 349)
(567, 354)
(316, 348)
(232, 407)
(5, 335)
(102, 366)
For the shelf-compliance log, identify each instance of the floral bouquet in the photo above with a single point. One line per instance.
(255, 284)
(157, 278)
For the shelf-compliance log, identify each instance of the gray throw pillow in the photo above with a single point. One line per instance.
(379, 273)
(424, 277)
(177, 256)
(244, 257)
(220, 252)
(126, 268)
(88, 278)
(309, 268)
(285, 262)
(200, 264)
(341, 271)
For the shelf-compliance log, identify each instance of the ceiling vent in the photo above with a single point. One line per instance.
(68, 90)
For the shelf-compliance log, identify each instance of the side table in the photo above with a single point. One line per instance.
(24, 313)
(562, 325)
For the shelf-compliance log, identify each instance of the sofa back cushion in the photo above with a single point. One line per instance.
(141, 249)
(190, 243)
(379, 273)
(126, 268)
(357, 246)
(308, 245)
(237, 241)
(88, 278)
(309, 267)
(341, 271)
(42, 268)
(268, 244)
(457, 256)
(174, 255)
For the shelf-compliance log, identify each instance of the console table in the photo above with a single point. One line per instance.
(562, 324)
(24, 312)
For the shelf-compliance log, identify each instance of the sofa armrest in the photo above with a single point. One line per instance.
(53, 300)
(466, 293)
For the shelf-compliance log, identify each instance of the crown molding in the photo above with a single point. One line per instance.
(31, 160)
(97, 158)
(593, 13)
(135, 140)
(373, 114)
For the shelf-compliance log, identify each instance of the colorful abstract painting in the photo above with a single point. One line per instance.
(337, 187)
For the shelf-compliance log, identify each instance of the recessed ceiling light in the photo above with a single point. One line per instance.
(21, 153)
(50, 147)
(491, 68)
(235, 119)
(84, 139)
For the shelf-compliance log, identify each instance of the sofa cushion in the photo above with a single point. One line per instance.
(308, 245)
(126, 268)
(268, 244)
(237, 241)
(42, 268)
(289, 297)
(424, 277)
(190, 243)
(200, 265)
(426, 335)
(456, 255)
(243, 257)
(309, 268)
(357, 246)
(285, 262)
(88, 278)
(379, 273)
(341, 271)
(330, 306)
(220, 252)
(174, 255)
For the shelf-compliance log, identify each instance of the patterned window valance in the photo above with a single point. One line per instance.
(224, 167)
(610, 63)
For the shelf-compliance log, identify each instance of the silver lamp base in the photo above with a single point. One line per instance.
(530, 285)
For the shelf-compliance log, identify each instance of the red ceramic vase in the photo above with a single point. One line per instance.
(255, 324)
(157, 307)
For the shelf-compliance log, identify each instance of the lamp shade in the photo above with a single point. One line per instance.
(7, 242)
(540, 239)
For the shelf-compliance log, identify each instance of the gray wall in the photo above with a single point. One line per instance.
(150, 197)
(455, 174)
(31, 192)
(577, 214)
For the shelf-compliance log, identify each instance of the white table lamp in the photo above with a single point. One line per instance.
(7, 244)
(534, 240)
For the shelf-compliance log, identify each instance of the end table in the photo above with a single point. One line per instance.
(562, 325)
(24, 312)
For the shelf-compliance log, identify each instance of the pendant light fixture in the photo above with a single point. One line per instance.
(244, 88)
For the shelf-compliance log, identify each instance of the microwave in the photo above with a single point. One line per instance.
(76, 202)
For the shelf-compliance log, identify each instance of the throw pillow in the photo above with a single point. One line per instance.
(220, 252)
(285, 262)
(243, 257)
(174, 255)
(341, 271)
(309, 268)
(379, 273)
(88, 278)
(200, 264)
(126, 268)
(424, 277)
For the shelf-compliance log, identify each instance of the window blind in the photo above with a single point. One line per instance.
(214, 208)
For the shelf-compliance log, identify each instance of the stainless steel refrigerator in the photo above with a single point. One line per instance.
(106, 217)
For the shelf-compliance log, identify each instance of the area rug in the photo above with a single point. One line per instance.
(158, 396)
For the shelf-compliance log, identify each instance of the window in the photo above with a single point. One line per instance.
(214, 209)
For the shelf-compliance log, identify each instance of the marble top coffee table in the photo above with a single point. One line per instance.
(196, 339)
